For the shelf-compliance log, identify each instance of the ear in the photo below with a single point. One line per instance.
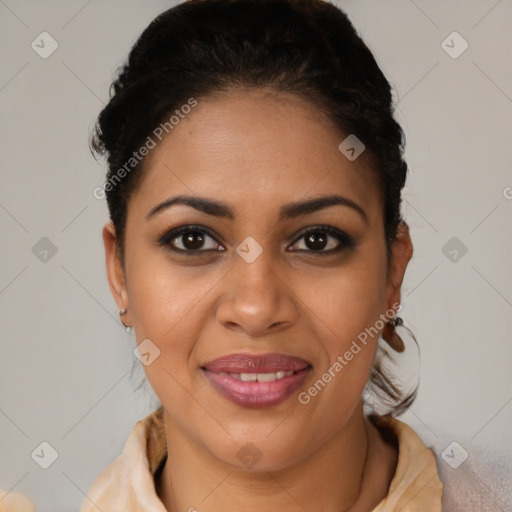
(401, 253)
(115, 273)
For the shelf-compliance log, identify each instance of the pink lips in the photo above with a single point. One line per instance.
(257, 380)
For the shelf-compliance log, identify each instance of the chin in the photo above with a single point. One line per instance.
(264, 452)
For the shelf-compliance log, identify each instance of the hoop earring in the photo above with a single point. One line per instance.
(398, 336)
(391, 337)
(394, 378)
(122, 312)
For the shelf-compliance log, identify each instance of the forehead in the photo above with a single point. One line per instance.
(254, 149)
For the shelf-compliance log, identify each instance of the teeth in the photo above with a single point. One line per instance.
(248, 377)
(266, 377)
(260, 377)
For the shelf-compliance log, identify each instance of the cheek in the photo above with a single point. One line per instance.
(165, 302)
(347, 307)
(346, 299)
(349, 344)
(162, 294)
(348, 330)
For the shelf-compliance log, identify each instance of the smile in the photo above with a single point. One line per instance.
(257, 380)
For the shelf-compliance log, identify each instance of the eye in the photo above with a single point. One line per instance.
(195, 239)
(190, 239)
(325, 240)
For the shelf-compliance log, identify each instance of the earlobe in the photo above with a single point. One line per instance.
(402, 250)
(115, 273)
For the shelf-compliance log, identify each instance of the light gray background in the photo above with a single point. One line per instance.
(65, 360)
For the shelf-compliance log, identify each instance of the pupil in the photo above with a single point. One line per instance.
(193, 240)
(316, 240)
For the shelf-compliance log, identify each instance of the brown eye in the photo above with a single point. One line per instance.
(190, 239)
(316, 241)
(325, 240)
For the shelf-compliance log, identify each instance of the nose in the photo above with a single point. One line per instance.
(257, 298)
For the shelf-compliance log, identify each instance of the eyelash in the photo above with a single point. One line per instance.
(346, 242)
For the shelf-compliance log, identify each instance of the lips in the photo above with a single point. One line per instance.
(256, 380)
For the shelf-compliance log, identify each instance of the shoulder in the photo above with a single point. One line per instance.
(473, 477)
(416, 484)
(127, 483)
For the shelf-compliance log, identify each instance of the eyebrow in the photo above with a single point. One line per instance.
(288, 211)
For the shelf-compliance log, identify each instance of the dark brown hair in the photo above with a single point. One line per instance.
(304, 47)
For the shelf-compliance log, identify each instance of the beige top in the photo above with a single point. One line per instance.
(128, 483)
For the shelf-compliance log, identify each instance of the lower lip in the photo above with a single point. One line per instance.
(257, 394)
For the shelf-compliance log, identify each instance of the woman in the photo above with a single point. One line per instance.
(257, 250)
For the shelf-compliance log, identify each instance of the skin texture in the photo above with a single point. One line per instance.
(256, 151)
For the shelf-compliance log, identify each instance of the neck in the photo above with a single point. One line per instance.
(345, 474)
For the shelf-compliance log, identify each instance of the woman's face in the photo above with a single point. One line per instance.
(255, 285)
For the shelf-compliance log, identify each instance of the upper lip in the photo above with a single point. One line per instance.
(256, 363)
